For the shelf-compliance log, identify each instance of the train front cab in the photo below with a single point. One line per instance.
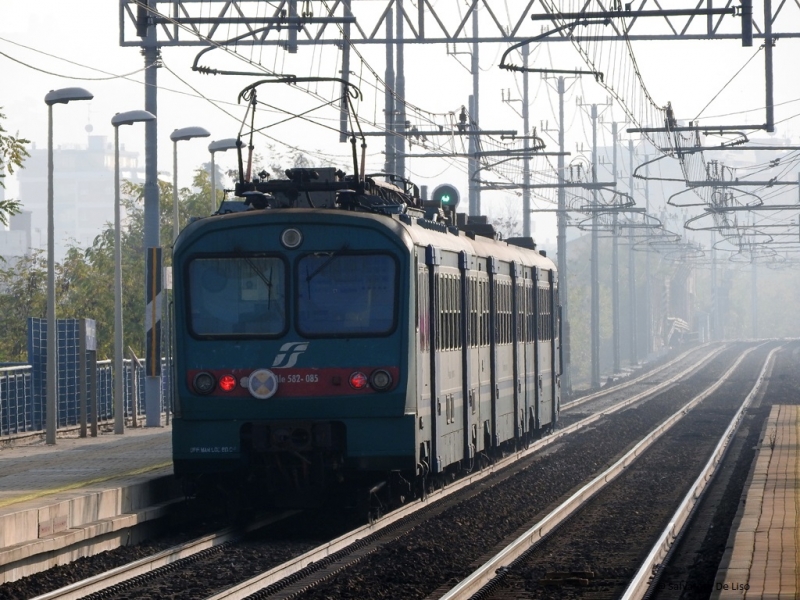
(318, 409)
(487, 340)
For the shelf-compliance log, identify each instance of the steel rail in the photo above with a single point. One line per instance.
(488, 571)
(622, 386)
(100, 582)
(647, 573)
(259, 582)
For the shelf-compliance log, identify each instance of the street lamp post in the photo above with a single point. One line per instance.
(62, 96)
(214, 147)
(179, 135)
(126, 118)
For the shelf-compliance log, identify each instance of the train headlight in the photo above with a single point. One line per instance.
(227, 383)
(204, 383)
(262, 384)
(358, 381)
(380, 380)
(291, 238)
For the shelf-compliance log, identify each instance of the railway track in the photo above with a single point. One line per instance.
(615, 515)
(329, 557)
(639, 388)
(690, 570)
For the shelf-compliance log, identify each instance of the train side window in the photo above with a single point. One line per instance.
(486, 319)
(504, 312)
(417, 292)
(457, 313)
(473, 313)
(449, 294)
(532, 312)
(437, 290)
(453, 312)
(423, 310)
(545, 324)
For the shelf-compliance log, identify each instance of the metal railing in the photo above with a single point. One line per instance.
(22, 410)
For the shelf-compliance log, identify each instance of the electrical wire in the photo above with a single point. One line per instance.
(722, 89)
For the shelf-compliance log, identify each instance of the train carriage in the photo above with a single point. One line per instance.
(316, 347)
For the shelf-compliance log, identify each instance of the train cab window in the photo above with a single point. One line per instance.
(232, 296)
(346, 294)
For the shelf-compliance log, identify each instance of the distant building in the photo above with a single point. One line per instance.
(16, 241)
(83, 191)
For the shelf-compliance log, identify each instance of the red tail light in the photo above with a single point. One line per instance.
(358, 381)
(227, 383)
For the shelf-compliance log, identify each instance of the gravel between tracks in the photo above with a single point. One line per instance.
(446, 549)
(610, 537)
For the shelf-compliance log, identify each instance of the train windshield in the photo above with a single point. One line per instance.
(243, 295)
(346, 294)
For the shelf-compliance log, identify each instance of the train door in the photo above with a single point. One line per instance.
(518, 345)
(492, 324)
(423, 346)
(450, 400)
(433, 259)
(482, 366)
(555, 346)
(469, 358)
(504, 382)
(544, 343)
(530, 382)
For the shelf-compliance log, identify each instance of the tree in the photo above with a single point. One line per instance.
(12, 155)
(508, 223)
(85, 278)
(24, 294)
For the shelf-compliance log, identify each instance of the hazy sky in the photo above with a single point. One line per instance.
(689, 74)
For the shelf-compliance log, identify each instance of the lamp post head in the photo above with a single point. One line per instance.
(65, 95)
(187, 133)
(223, 145)
(132, 116)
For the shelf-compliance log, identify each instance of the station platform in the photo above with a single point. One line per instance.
(761, 559)
(80, 496)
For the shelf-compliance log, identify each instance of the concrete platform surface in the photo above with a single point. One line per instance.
(761, 560)
(57, 502)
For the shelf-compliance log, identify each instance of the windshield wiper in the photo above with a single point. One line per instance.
(267, 280)
(326, 262)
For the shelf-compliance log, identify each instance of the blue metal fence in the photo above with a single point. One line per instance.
(23, 387)
(22, 409)
(16, 400)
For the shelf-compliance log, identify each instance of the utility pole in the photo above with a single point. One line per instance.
(648, 326)
(388, 108)
(344, 108)
(561, 240)
(595, 253)
(615, 262)
(770, 108)
(152, 390)
(526, 161)
(632, 271)
(474, 109)
(400, 106)
(595, 317)
(715, 333)
(754, 294)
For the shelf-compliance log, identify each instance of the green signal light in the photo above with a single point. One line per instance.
(446, 195)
